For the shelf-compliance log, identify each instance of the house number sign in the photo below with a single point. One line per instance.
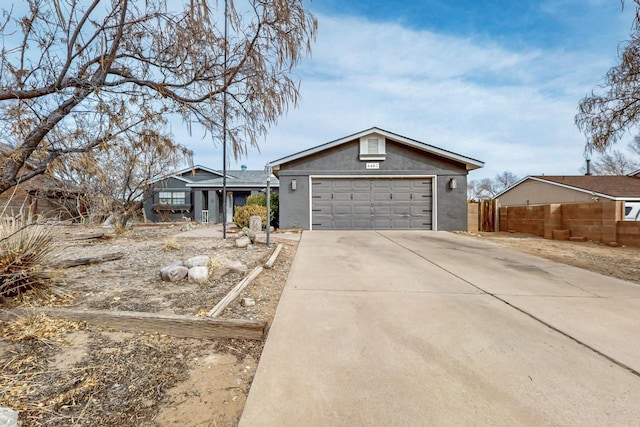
(372, 165)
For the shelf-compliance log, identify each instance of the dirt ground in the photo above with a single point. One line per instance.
(61, 373)
(621, 262)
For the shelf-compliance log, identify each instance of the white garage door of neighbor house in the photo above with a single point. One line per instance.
(371, 203)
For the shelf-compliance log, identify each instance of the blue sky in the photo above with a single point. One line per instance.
(497, 81)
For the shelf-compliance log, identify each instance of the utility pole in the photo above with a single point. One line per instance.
(224, 123)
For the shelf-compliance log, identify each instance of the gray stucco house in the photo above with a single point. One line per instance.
(196, 193)
(374, 179)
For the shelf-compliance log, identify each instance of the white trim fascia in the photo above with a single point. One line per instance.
(512, 186)
(471, 164)
(434, 205)
(232, 185)
(434, 190)
(569, 187)
(181, 171)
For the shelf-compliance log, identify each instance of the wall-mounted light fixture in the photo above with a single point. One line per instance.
(294, 185)
(453, 183)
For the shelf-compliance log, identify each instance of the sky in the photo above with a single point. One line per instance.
(497, 81)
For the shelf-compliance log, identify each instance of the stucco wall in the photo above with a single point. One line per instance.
(343, 160)
(530, 193)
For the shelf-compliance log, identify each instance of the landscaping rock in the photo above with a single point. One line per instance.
(248, 302)
(243, 242)
(173, 273)
(255, 223)
(197, 261)
(198, 274)
(8, 417)
(250, 234)
(220, 273)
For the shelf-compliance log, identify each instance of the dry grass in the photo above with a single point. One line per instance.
(26, 253)
(170, 244)
(118, 387)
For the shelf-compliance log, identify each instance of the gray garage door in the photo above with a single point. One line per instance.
(371, 203)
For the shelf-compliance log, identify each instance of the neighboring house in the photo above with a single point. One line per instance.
(544, 190)
(41, 197)
(196, 193)
(374, 179)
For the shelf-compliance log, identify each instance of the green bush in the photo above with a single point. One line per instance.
(257, 199)
(275, 210)
(243, 213)
(261, 200)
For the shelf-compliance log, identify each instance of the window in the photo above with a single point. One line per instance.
(372, 147)
(172, 198)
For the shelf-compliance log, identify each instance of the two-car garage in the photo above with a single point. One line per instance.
(373, 180)
(363, 203)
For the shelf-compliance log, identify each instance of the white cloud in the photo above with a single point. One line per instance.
(513, 110)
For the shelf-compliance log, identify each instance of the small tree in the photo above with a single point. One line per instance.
(261, 200)
(114, 182)
(488, 188)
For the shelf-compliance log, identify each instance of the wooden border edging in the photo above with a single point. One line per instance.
(272, 258)
(168, 324)
(224, 302)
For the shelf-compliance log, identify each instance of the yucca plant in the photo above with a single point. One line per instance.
(26, 254)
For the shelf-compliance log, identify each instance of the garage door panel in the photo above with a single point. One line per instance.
(339, 209)
(381, 223)
(362, 210)
(361, 197)
(381, 209)
(371, 203)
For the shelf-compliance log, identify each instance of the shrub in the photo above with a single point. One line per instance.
(257, 199)
(26, 253)
(275, 210)
(243, 213)
(261, 200)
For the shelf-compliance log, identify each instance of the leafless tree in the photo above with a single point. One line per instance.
(488, 188)
(613, 163)
(114, 182)
(613, 109)
(77, 76)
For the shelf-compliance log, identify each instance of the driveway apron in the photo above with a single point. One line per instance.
(432, 328)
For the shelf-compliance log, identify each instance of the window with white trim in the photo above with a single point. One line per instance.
(372, 147)
(172, 198)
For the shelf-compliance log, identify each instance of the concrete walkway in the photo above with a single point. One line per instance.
(431, 328)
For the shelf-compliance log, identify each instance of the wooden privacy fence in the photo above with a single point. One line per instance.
(482, 216)
(487, 215)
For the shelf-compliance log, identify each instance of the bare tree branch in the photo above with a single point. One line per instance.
(77, 75)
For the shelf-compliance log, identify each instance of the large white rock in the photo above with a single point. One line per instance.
(173, 273)
(243, 242)
(197, 261)
(198, 274)
(8, 417)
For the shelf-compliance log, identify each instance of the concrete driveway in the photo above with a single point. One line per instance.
(414, 328)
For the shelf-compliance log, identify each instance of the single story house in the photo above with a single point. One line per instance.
(374, 179)
(196, 193)
(544, 190)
